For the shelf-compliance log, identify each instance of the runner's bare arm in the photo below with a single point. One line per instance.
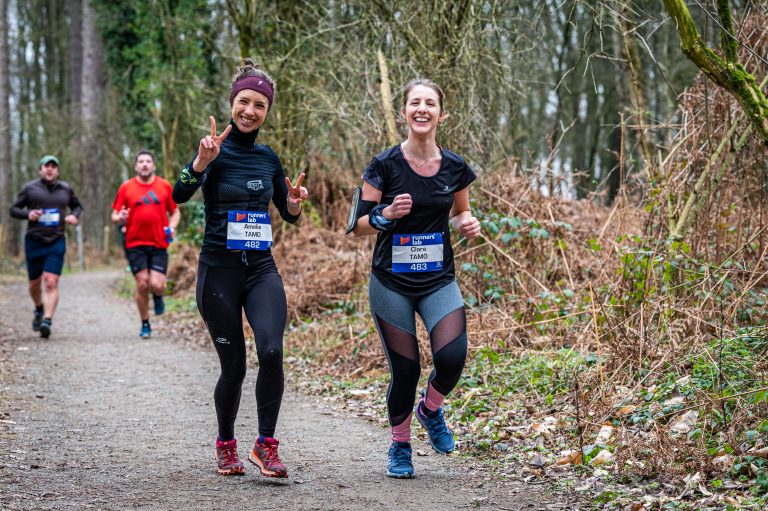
(461, 216)
(174, 219)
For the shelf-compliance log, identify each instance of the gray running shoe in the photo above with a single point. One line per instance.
(36, 320)
(45, 328)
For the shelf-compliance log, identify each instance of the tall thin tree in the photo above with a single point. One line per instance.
(7, 243)
(91, 168)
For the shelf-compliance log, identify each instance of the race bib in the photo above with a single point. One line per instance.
(51, 217)
(417, 252)
(248, 230)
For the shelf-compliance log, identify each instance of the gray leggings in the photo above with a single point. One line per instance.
(395, 317)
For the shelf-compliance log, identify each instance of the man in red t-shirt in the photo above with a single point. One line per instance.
(144, 205)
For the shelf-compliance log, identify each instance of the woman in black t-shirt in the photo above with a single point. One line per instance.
(410, 193)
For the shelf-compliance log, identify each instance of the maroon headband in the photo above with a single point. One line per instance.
(257, 83)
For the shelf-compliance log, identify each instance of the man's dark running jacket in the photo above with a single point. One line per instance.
(39, 194)
(244, 176)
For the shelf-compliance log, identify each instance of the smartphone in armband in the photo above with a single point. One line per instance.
(352, 219)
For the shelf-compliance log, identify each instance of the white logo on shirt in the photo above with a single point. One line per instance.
(222, 340)
(255, 185)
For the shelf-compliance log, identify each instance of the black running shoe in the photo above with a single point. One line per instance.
(45, 328)
(159, 304)
(36, 320)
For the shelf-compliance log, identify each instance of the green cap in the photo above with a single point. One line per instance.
(48, 158)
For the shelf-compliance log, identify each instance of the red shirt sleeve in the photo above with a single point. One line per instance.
(120, 198)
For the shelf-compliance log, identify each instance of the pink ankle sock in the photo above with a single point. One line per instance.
(433, 400)
(402, 432)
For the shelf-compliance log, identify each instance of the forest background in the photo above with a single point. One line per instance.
(617, 297)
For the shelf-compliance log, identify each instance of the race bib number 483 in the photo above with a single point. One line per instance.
(248, 230)
(417, 252)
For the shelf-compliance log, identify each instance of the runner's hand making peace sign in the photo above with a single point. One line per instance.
(296, 194)
(209, 147)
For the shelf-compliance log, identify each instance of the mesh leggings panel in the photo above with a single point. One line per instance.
(402, 351)
(448, 340)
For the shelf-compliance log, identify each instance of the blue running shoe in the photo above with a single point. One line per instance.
(400, 464)
(440, 437)
(159, 304)
(146, 331)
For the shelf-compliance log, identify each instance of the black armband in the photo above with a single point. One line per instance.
(358, 209)
(378, 221)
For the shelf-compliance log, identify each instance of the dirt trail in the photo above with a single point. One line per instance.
(95, 418)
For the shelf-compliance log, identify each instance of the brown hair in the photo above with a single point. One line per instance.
(408, 87)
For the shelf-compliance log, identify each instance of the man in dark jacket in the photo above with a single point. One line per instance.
(44, 203)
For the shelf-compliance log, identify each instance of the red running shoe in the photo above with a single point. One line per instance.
(265, 456)
(226, 457)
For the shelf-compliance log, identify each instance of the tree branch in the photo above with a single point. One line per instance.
(727, 42)
(728, 74)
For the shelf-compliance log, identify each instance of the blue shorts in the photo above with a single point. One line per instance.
(48, 257)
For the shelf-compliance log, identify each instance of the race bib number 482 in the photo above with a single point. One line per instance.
(417, 252)
(248, 230)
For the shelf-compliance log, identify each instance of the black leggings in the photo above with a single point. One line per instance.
(222, 293)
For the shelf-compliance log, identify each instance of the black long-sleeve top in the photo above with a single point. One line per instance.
(40, 194)
(244, 176)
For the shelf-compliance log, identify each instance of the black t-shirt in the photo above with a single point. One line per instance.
(54, 197)
(427, 222)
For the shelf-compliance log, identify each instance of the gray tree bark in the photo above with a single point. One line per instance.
(75, 61)
(91, 153)
(7, 240)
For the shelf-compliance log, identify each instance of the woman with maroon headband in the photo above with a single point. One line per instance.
(236, 270)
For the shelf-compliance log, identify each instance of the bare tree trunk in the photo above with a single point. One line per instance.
(91, 160)
(7, 241)
(613, 165)
(245, 16)
(639, 114)
(613, 169)
(55, 40)
(75, 64)
(386, 98)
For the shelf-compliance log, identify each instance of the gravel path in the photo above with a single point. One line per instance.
(95, 418)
